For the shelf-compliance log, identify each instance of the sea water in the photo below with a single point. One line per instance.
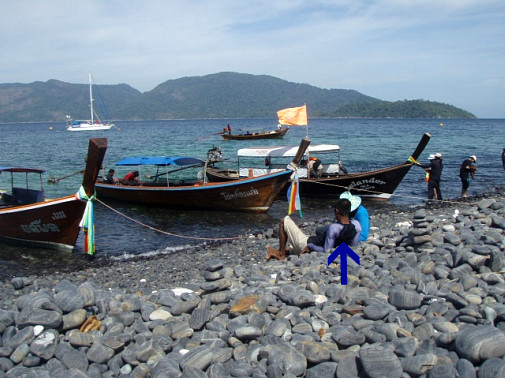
(124, 230)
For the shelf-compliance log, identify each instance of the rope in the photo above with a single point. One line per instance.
(161, 231)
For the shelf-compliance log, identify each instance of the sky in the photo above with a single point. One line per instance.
(449, 51)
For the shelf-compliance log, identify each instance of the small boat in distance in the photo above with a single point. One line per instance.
(255, 194)
(330, 180)
(27, 218)
(278, 133)
(94, 122)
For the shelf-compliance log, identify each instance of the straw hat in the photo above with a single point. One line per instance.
(354, 200)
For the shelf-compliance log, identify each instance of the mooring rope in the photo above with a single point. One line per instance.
(165, 232)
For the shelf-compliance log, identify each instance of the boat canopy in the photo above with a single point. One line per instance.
(19, 169)
(160, 160)
(285, 151)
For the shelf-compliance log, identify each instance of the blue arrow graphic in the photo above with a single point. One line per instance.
(343, 250)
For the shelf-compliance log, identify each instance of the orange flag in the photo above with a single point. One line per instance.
(293, 116)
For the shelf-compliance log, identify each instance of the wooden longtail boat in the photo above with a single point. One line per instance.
(254, 194)
(278, 133)
(27, 218)
(332, 180)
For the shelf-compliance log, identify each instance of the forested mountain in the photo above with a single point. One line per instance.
(221, 95)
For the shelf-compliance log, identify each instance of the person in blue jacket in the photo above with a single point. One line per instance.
(359, 213)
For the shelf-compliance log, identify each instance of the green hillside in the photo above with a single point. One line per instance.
(221, 95)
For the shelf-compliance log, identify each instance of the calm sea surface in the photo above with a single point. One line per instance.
(365, 144)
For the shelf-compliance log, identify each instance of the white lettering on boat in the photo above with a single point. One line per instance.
(37, 227)
(239, 194)
(366, 184)
(59, 215)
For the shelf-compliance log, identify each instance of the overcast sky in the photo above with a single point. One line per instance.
(450, 51)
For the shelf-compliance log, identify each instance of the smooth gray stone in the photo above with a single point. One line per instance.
(212, 276)
(6, 318)
(44, 345)
(452, 238)
(404, 299)
(69, 300)
(477, 343)
(379, 361)
(74, 319)
(184, 307)
(423, 332)
(322, 370)
(465, 368)
(376, 311)
(347, 367)
(5, 364)
(6, 351)
(217, 370)
(79, 339)
(419, 364)
(199, 317)
(213, 264)
(285, 357)
(200, 358)
(217, 285)
(241, 369)
(87, 291)
(37, 316)
(247, 332)
(285, 293)
(302, 298)
(113, 342)
(166, 368)
(315, 353)
(492, 368)
(218, 297)
(278, 327)
(23, 336)
(443, 371)
(20, 353)
(148, 349)
(74, 359)
(99, 353)
(193, 372)
(346, 336)
(31, 361)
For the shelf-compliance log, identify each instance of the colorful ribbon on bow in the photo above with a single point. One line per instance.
(87, 221)
(294, 202)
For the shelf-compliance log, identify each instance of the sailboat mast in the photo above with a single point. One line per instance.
(91, 97)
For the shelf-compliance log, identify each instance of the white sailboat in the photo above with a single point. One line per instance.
(92, 124)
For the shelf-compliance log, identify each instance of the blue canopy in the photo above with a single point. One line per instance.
(160, 160)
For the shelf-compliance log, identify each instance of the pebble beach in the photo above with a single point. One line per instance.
(427, 300)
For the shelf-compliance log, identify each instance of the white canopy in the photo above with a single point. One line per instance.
(285, 151)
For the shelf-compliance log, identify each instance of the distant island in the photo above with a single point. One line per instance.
(220, 95)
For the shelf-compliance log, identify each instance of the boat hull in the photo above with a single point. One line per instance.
(88, 127)
(263, 135)
(52, 224)
(254, 195)
(376, 185)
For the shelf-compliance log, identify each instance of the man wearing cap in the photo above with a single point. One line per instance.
(466, 171)
(359, 213)
(434, 168)
(343, 230)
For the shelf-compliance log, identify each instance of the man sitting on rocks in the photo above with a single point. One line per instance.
(344, 230)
